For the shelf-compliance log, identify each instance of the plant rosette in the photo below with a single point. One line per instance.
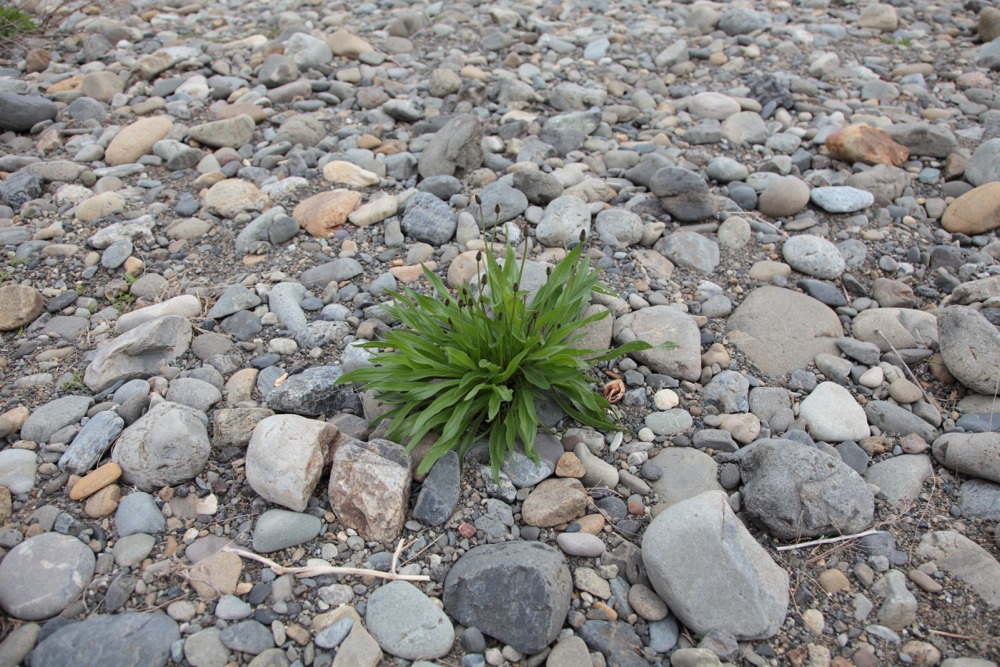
(469, 366)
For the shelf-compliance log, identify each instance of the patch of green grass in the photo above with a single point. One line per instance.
(123, 301)
(14, 22)
(899, 42)
(74, 383)
(469, 366)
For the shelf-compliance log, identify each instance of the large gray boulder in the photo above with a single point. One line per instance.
(796, 491)
(711, 572)
(970, 348)
(166, 446)
(516, 592)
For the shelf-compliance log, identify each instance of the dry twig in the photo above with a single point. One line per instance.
(320, 570)
(829, 540)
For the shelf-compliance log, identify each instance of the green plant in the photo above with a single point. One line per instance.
(14, 22)
(471, 367)
(122, 301)
(74, 383)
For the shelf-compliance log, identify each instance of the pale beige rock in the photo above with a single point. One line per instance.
(961, 556)
(878, 16)
(346, 43)
(554, 502)
(285, 458)
(323, 213)
(101, 85)
(233, 196)
(375, 211)
(341, 172)
(12, 420)
(19, 305)
(216, 575)
(103, 503)
(137, 139)
(100, 206)
(975, 212)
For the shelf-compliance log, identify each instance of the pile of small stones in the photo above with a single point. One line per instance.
(205, 207)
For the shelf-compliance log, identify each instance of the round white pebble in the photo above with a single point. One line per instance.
(646, 434)
(665, 399)
(872, 378)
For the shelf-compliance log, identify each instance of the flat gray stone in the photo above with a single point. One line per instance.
(901, 478)
(781, 331)
(41, 576)
(130, 639)
(407, 624)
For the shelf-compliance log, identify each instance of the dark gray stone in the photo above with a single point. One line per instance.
(247, 637)
(517, 592)
(440, 491)
(980, 499)
(616, 641)
(22, 112)
(19, 188)
(539, 187)
(683, 194)
(124, 640)
(310, 393)
(278, 529)
(429, 219)
(234, 299)
(798, 492)
(41, 576)
(54, 416)
(891, 418)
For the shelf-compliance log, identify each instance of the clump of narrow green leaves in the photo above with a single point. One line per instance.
(469, 366)
(14, 22)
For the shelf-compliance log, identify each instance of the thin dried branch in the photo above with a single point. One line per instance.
(829, 540)
(320, 570)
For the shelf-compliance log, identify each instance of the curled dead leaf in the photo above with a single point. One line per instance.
(614, 390)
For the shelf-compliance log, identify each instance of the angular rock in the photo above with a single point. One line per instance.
(429, 219)
(139, 353)
(454, 150)
(311, 393)
(167, 445)
(285, 458)
(865, 143)
(19, 306)
(688, 547)
(232, 132)
(439, 492)
(369, 488)
(91, 442)
(796, 491)
(687, 473)
(517, 592)
(554, 502)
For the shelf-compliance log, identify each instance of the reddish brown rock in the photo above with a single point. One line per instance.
(864, 143)
(975, 212)
(323, 213)
(19, 305)
(554, 502)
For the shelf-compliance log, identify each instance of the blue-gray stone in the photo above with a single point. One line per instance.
(980, 499)
(54, 416)
(138, 513)
(91, 442)
(406, 623)
(116, 253)
(440, 491)
(342, 268)
(19, 188)
(20, 113)
(663, 634)
(131, 639)
(330, 637)
(429, 219)
(42, 575)
(729, 392)
(511, 203)
(247, 637)
(242, 325)
(841, 198)
(284, 303)
(234, 299)
(615, 640)
(278, 529)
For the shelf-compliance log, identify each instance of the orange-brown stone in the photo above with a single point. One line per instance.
(96, 480)
(975, 212)
(323, 213)
(864, 143)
